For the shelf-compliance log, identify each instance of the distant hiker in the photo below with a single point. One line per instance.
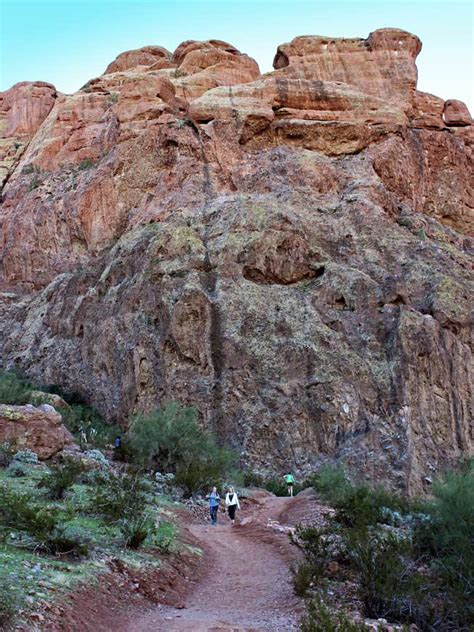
(290, 481)
(232, 503)
(117, 447)
(214, 500)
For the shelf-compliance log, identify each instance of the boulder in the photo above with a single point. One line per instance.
(146, 56)
(456, 114)
(383, 64)
(39, 429)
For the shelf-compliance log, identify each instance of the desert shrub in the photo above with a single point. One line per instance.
(330, 482)
(120, 496)
(421, 573)
(361, 505)
(87, 163)
(61, 478)
(386, 572)
(14, 389)
(358, 505)
(171, 440)
(165, 537)
(26, 456)
(99, 457)
(17, 469)
(319, 618)
(445, 536)
(136, 529)
(303, 578)
(65, 539)
(18, 510)
(320, 546)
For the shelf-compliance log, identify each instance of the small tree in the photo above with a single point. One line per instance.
(170, 439)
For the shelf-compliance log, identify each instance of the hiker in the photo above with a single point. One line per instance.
(290, 481)
(214, 500)
(117, 447)
(232, 503)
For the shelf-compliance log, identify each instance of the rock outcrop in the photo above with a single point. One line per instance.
(289, 252)
(37, 428)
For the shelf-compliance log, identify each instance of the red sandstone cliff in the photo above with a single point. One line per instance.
(291, 252)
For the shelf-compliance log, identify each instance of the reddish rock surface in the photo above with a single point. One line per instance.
(37, 428)
(23, 109)
(289, 252)
(146, 56)
(456, 114)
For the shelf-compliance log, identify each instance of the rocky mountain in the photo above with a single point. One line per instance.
(290, 252)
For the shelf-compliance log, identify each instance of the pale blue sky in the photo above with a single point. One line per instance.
(67, 42)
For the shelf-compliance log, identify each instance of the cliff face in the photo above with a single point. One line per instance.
(290, 252)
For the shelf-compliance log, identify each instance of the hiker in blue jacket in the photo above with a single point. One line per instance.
(214, 500)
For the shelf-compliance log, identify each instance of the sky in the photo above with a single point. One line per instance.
(68, 42)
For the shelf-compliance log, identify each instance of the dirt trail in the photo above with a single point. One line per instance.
(247, 582)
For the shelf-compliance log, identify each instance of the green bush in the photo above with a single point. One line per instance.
(170, 440)
(303, 576)
(386, 572)
(17, 469)
(120, 496)
(136, 529)
(446, 537)
(61, 478)
(319, 545)
(18, 510)
(26, 456)
(319, 618)
(420, 573)
(65, 539)
(330, 482)
(165, 537)
(358, 505)
(14, 389)
(87, 163)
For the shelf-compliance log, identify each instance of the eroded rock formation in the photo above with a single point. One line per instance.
(290, 252)
(37, 428)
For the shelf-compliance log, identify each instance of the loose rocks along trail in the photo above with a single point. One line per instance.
(246, 586)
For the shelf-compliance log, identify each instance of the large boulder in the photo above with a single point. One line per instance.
(456, 113)
(38, 428)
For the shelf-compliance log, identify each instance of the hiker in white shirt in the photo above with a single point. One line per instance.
(232, 503)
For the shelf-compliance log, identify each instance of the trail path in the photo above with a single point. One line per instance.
(246, 586)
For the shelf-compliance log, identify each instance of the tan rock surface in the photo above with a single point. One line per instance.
(38, 428)
(382, 65)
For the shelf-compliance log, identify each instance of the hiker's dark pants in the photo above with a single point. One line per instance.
(231, 510)
(213, 512)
